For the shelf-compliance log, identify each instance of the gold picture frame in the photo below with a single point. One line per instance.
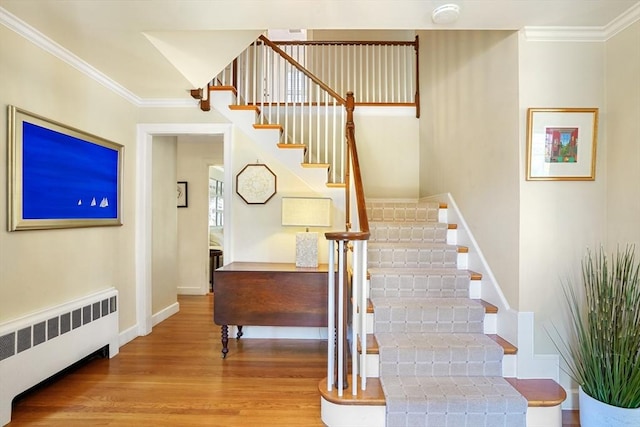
(59, 176)
(561, 144)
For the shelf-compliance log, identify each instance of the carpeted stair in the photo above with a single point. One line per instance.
(437, 367)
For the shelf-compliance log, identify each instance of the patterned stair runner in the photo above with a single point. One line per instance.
(437, 367)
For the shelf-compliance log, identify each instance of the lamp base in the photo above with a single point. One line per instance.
(307, 249)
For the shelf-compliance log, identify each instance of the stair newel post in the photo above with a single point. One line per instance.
(341, 298)
(417, 96)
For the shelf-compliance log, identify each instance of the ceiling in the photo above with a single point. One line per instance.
(159, 49)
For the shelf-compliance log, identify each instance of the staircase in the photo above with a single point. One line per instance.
(433, 356)
(432, 350)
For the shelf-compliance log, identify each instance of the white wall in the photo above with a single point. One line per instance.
(559, 220)
(622, 77)
(469, 138)
(194, 156)
(388, 141)
(42, 268)
(164, 263)
(256, 231)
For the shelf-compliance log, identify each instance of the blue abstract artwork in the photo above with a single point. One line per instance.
(65, 177)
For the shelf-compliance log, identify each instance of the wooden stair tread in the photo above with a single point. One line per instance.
(296, 146)
(316, 165)
(372, 345)
(509, 349)
(539, 392)
(488, 307)
(475, 275)
(222, 88)
(372, 396)
(335, 185)
(452, 226)
(267, 126)
(245, 108)
(506, 345)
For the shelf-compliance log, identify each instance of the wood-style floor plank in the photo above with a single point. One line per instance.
(176, 377)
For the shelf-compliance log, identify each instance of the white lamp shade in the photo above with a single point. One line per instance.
(306, 211)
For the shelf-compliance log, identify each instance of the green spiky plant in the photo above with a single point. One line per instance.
(603, 351)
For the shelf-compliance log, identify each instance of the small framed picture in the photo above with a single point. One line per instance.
(183, 199)
(561, 144)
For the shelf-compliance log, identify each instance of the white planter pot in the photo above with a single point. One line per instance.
(594, 413)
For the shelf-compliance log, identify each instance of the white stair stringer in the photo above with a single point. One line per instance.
(267, 140)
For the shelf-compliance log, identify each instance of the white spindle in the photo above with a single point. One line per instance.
(331, 312)
(363, 304)
(342, 144)
(318, 134)
(341, 320)
(334, 140)
(357, 318)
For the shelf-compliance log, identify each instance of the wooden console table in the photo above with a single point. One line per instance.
(269, 294)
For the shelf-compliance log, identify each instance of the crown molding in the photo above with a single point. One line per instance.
(564, 34)
(623, 21)
(34, 36)
(583, 34)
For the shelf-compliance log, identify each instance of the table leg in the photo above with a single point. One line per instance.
(239, 334)
(225, 340)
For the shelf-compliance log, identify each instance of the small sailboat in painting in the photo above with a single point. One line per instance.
(104, 202)
(93, 202)
(79, 202)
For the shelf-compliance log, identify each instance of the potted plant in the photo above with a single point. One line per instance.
(602, 352)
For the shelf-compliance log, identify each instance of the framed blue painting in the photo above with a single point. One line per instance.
(61, 177)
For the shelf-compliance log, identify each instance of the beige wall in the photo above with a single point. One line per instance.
(559, 220)
(164, 262)
(622, 85)
(39, 269)
(387, 145)
(194, 156)
(469, 138)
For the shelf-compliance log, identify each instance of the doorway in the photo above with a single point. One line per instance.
(143, 219)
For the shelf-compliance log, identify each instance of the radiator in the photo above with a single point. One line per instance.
(37, 346)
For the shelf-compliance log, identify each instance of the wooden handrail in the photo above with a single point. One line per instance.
(354, 169)
(344, 43)
(303, 70)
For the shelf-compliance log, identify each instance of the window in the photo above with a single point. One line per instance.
(216, 203)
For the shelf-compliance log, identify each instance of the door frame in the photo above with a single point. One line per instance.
(143, 218)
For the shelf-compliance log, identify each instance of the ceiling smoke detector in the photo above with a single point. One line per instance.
(445, 14)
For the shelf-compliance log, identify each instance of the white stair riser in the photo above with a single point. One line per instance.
(509, 365)
(452, 237)
(475, 289)
(372, 367)
(374, 416)
(490, 323)
(334, 415)
(544, 416)
(463, 261)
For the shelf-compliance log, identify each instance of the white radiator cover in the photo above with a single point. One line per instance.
(37, 346)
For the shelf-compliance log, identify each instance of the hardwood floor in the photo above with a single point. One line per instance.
(176, 377)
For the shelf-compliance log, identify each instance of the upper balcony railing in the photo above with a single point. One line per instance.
(380, 72)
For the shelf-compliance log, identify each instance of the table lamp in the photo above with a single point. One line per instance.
(306, 212)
